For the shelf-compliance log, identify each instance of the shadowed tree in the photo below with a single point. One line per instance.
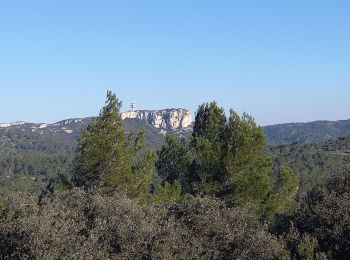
(174, 160)
(207, 169)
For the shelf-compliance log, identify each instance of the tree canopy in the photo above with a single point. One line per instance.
(107, 158)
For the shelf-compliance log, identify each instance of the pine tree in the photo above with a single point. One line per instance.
(209, 122)
(285, 189)
(249, 167)
(207, 169)
(106, 155)
(225, 158)
(142, 178)
(174, 160)
(228, 157)
(168, 193)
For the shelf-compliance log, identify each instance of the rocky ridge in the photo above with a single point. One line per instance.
(177, 121)
(167, 119)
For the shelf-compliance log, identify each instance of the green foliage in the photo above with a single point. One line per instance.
(140, 184)
(287, 183)
(29, 159)
(282, 197)
(1, 204)
(230, 158)
(79, 225)
(174, 160)
(104, 156)
(58, 184)
(306, 133)
(301, 246)
(242, 204)
(209, 122)
(207, 169)
(168, 193)
(320, 228)
(108, 159)
(225, 158)
(248, 165)
(313, 163)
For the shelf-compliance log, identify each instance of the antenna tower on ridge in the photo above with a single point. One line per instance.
(133, 106)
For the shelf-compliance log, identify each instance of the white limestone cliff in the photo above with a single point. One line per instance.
(168, 119)
(5, 125)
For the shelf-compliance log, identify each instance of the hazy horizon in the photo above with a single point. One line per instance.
(281, 62)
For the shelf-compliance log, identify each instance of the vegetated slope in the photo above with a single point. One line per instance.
(30, 154)
(28, 159)
(154, 138)
(314, 163)
(306, 132)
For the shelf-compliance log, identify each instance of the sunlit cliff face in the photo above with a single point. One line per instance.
(164, 119)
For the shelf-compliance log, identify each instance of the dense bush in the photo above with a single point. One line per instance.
(320, 228)
(77, 225)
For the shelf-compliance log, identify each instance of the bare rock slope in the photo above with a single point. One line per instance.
(167, 119)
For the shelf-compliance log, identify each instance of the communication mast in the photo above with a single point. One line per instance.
(133, 106)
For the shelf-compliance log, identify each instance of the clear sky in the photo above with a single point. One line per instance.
(280, 61)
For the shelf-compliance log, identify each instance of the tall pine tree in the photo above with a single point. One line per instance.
(207, 169)
(106, 157)
(249, 167)
(225, 158)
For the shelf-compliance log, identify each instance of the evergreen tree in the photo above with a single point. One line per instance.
(208, 173)
(140, 184)
(168, 193)
(209, 122)
(103, 149)
(106, 155)
(249, 168)
(285, 189)
(174, 160)
(225, 158)
(230, 158)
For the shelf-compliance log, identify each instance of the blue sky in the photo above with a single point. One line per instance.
(280, 61)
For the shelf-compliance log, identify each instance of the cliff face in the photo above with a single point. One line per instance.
(167, 119)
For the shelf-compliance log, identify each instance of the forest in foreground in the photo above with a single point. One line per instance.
(220, 194)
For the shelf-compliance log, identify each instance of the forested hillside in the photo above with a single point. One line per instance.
(220, 193)
(313, 163)
(29, 159)
(312, 132)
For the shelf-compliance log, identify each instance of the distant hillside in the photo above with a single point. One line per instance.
(306, 132)
(288, 133)
(70, 129)
(315, 162)
(32, 153)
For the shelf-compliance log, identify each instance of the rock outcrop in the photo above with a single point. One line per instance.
(167, 119)
(178, 121)
(5, 125)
